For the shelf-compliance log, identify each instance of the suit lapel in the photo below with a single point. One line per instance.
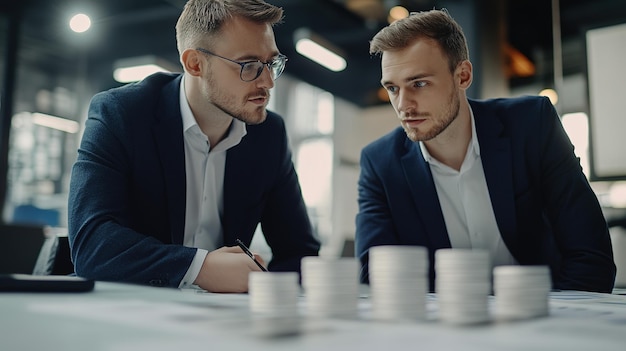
(420, 181)
(241, 190)
(495, 153)
(172, 154)
(234, 199)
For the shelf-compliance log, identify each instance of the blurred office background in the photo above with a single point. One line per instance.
(51, 63)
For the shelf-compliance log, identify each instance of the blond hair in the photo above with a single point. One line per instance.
(202, 20)
(437, 25)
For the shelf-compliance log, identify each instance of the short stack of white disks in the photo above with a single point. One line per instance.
(463, 285)
(331, 286)
(398, 278)
(521, 292)
(274, 293)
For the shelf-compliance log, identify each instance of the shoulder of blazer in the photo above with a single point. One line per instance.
(504, 107)
(148, 92)
(272, 121)
(508, 115)
(273, 125)
(391, 141)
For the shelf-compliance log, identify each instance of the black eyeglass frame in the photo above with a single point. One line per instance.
(280, 59)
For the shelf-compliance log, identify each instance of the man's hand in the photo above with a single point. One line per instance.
(226, 270)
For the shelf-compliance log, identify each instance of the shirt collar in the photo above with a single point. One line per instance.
(185, 110)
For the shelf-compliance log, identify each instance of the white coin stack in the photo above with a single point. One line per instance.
(521, 292)
(274, 293)
(398, 278)
(463, 285)
(331, 286)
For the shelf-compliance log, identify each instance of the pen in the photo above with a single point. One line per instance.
(247, 251)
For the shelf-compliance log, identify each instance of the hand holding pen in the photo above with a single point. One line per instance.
(247, 252)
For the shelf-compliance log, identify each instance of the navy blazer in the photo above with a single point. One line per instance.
(544, 207)
(127, 189)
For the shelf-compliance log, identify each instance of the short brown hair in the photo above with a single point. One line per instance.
(203, 19)
(434, 24)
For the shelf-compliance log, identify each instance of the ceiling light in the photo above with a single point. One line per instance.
(80, 23)
(518, 64)
(550, 94)
(397, 13)
(59, 123)
(319, 50)
(135, 69)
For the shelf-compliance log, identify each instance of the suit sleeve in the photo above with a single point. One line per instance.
(374, 224)
(581, 232)
(103, 245)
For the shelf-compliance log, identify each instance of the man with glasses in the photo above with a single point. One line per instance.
(174, 169)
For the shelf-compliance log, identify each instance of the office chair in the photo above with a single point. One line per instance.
(54, 257)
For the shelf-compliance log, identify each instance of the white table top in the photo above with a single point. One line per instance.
(116, 317)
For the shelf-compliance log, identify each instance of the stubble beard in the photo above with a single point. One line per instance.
(439, 125)
(255, 117)
(226, 103)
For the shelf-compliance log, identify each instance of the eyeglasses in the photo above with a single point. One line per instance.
(251, 70)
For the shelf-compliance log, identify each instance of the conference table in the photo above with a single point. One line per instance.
(123, 317)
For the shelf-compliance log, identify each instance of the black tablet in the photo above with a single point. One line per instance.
(44, 283)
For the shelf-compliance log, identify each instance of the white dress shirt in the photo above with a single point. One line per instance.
(204, 167)
(465, 203)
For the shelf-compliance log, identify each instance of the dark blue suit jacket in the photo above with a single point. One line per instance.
(127, 191)
(544, 207)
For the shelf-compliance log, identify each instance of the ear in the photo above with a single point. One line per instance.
(192, 62)
(464, 73)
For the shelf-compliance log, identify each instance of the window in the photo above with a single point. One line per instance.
(312, 132)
